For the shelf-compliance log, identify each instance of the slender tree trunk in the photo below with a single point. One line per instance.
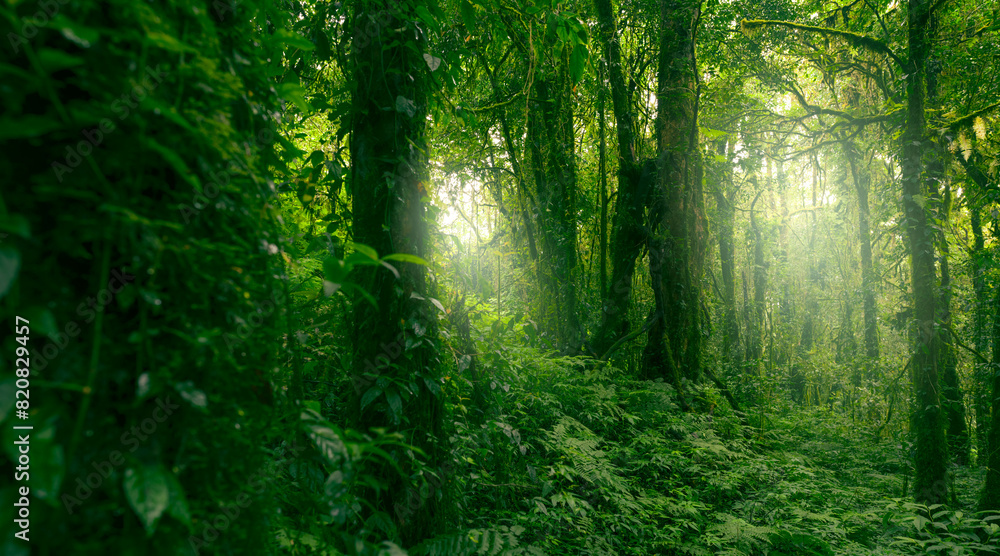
(931, 459)
(951, 390)
(388, 139)
(980, 322)
(756, 309)
(726, 209)
(603, 176)
(991, 491)
(862, 184)
(627, 227)
(550, 131)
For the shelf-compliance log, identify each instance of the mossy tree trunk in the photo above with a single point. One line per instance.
(673, 347)
(927, 418)
(395, 351)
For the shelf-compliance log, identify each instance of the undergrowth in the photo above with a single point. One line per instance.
(575, 457)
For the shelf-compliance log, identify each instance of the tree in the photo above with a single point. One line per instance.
(627, 230)
(673, 346)
(931, 450)
(395, 355)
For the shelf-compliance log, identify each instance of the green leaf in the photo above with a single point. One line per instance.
(468, 15)
(370, 396)
(578, 62)
(427, 18)
(80, 34)
(366, 251)
(405, 258)
(15, 224)
(42, 320)
(54, 60)
(148, 492)
(27, 126)
(178, 501)
(10, 264)
(294, 93)
(169, 43)
(395, 404)
(284, 36)
(335, 270)
(176, 162)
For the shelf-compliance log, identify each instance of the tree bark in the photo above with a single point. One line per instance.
(930, 459)
(726, 209)
(627, 227)
(395, 343)
(991, 491)
(550, 131)
(862, 185)
(672, 245)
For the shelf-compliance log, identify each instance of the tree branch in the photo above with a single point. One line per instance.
(856, 39)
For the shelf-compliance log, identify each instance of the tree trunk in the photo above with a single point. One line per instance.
(395, 343)
(931, 459)
(991, 491)
(951, 390)
(726, 209)
(676, 195)
(756, 310)
(862, 184)
(550, 131)
(981, 320)
(627, 227)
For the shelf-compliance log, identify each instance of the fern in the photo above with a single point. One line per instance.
(502, 541)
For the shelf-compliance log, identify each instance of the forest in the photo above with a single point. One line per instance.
(500, 277)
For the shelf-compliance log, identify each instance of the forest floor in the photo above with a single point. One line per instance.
(597, 463)
(829, 478)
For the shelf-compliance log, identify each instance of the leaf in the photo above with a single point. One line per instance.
(406, 106)
(54, 60)
(80, 34)
(10, 264)
(405, 258)
(296, 94)
(192, 395)
(168, 42)
(175, 160)
(366, 251)
(468, 15)
(42, 320)
(426, 17)
(433, 62)
(391, 268)
(437, 304)
(395, 404)
(370, 396)
(28, 126)
(284, 36)
(578, 62)
(178, 501)
(148, 492)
